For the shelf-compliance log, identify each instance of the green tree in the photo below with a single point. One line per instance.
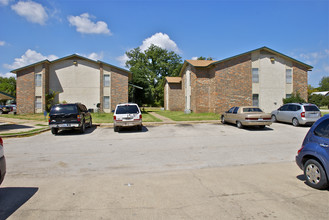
(204, 58)
(8, 85)
(50, 99)
(324, 84)
(295, 98)
(149, 68)
(325, 101)
(315, 99)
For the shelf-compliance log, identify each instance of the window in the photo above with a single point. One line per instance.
(284, 108)
(235, 110)
(288, 76)
(323, 129)
(106, 80)
(255, 100)
(106, 102)
(231, 110)
(38, 80)
(38, 102)
(288, 96)
(255, 76)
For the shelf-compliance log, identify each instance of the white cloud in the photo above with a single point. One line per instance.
(160, 40)
(28, 58)
(94, 56)
(7, 75)
(32, 11)
(5, 2)
(2, 43)
(122, 59)
(84, 25)
(314, 58)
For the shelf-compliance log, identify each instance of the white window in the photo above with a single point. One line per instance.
(255, 75)
(288, 95)
(106, 102)
(288, 76)
(38, 102)
(38, 80)
(255, 100)
(106, 80)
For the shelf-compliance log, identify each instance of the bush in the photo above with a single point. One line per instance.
(316, 99)
(295, 98)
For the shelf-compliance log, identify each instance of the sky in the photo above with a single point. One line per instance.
(35, 30)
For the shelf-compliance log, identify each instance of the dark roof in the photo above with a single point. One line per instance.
(6, 96)
(207, 63)
(69, 57)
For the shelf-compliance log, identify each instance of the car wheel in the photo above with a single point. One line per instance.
(54, 130)
(222, 120)
(273, 118)
(90, 123)
(83, 128)
(116, 129)
(315, 175)
(239, 124)
(295, 122)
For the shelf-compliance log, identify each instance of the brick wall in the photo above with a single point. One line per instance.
(300, 81)
(176, 97)
(25, 91)
(222, 86)
(119, 87)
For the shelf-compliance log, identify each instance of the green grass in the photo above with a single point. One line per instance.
(35, 117)
(181, 116)
(27, 133)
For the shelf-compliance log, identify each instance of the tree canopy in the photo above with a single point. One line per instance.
(324, 84)
(8, 85)
(149, 69)
(204, 58)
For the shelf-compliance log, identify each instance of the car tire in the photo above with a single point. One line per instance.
(239, 124)
(315, 175)
(83, 128)
(90, 123)
(223, 120)
(116, 129)
(54, 131)
(295, 122)
(273, 118)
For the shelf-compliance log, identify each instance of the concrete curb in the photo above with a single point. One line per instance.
(27, 134)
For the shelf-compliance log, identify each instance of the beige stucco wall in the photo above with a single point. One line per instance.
(76, 83)
(38, 89)
(107, 90)
(272, 87)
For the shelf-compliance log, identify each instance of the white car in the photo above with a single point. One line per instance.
(127, 115)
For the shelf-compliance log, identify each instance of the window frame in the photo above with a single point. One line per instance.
(255, 75)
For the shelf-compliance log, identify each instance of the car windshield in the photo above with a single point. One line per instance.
(311, 108)
(252, 110)
(127, 109)
(65, 109)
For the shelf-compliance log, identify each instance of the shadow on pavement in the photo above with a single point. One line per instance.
(6, 127)
(12, 198)
(76, 132)
(133, 130)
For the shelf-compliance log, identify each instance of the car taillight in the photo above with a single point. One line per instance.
(1, 142)
(251, 118)
(114, 118)
(300, 150)
(140, 117)
(302, 114)
(79, 117)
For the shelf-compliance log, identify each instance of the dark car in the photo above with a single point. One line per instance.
(2, 162)
(313, 157)
(69, 116)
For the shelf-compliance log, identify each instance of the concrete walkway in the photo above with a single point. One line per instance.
(164, 119)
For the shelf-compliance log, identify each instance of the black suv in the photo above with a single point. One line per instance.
(69, 116)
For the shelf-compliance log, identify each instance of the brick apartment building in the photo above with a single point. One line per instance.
(262, 77)
(75, 79)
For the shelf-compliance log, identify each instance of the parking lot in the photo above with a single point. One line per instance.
(177, 171)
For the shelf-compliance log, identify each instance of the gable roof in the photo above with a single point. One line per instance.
(4, 96)
(209, 63)
(174, 79)
(69, 57)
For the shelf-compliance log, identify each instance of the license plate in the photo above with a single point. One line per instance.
(64, 125)
(260, 119)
